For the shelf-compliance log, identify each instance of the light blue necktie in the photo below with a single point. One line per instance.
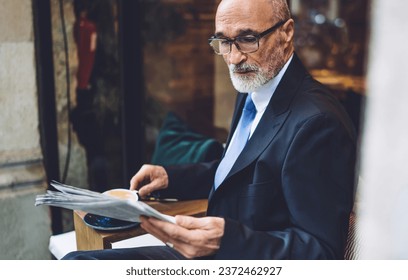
(241, 137)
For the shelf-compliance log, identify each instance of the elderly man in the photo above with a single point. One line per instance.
(284, 187)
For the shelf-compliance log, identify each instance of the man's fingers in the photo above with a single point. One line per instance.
(192, 237)
(139, 178)
(162, 230)
(189, 222)
(148, 179)
(148, 189)
(150, 227)
(169, 234)
(166, 230)
(136, 181)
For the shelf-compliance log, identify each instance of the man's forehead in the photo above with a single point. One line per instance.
(232, 19)
(232, 27)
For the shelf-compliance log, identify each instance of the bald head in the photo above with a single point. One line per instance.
(275, 10)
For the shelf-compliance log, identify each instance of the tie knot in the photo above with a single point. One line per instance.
(249, 104)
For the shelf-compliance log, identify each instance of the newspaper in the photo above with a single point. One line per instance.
(73, 198)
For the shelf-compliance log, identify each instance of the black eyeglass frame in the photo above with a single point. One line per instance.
(257, 37)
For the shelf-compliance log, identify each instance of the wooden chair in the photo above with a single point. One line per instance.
(352, 247)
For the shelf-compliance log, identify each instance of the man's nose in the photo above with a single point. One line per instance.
(236, 56)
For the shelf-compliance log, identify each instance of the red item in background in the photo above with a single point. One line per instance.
(85, 37)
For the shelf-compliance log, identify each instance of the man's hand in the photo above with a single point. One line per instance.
(192, 237)
(148, 179)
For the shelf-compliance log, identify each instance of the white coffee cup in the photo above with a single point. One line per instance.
(123, 194)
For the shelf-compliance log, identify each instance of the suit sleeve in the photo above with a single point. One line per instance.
(318, 185)
(190, 181)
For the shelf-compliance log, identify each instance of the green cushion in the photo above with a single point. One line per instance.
(177, 143)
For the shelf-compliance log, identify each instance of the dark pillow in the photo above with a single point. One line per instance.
(177, 143)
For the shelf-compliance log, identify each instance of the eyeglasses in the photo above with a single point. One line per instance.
(245, 44)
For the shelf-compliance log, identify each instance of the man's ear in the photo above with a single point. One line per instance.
(288, 30)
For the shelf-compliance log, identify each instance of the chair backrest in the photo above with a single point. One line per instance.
(352, 247)
(177, 143)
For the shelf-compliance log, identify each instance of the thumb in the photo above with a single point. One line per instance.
(189, 222)
(147, 189)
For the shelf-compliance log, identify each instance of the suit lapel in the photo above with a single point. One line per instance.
(272, 120)
(265, 132)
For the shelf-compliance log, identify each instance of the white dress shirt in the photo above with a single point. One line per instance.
(263, 95)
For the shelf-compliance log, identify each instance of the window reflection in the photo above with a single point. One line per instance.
(331, 34)
(96, 116)
(331, 39)
(178, 65)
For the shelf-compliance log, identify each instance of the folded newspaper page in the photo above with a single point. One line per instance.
(73, 198)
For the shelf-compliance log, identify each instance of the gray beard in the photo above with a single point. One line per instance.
(251, 83)
(247, 83)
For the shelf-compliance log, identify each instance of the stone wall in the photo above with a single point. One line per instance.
(68, 146)
(77, 169)
(24, 228)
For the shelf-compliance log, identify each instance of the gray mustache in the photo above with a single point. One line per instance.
(242, 68)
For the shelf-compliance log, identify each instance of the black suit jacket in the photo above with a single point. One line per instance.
(290, 192)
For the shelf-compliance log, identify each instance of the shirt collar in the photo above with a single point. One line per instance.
(263, 95)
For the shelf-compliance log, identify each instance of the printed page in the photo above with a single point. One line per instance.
(73, 198)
